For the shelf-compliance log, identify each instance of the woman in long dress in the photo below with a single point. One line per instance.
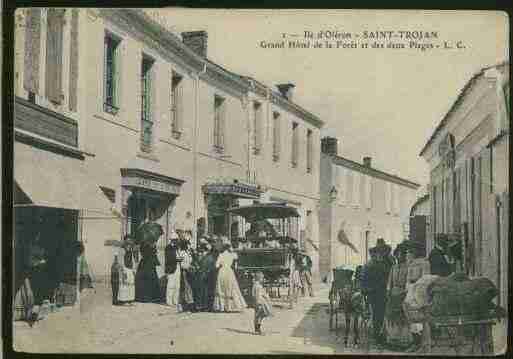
(294, 278)
(228, 296)
(147, 287)
(126, 294)
(173, 272)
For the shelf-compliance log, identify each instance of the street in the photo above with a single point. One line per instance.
(152, 328)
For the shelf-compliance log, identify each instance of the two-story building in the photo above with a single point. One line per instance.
(468, 158)
(135, 123)
(360, 204)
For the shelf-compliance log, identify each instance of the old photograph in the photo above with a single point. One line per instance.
(221, 181)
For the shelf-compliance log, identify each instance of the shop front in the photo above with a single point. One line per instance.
(149, 197)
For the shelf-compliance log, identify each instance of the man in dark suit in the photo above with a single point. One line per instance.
(439, 258)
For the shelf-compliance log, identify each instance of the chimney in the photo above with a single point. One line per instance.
(286, 90)
(196, 41)
(367, 161)
(329, 146)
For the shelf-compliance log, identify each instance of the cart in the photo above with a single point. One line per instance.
(268, 246)
(346, 298)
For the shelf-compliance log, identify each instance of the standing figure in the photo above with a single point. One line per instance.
(173, 273)
(207, 268)
(374, 286)
(439, 258)
(186, 296)
(228, 297)
(263, 306)
(147, 288)
(305, 274)
(126, 294)
(396, 324)
(115, 277)
(294, 277)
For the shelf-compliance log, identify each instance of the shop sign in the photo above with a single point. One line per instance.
(233, 189)
(151, 185)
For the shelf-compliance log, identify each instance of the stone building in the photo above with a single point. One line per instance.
(120, 121)
(468, 159)
(362, 201)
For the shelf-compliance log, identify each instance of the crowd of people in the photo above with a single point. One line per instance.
(386, 279)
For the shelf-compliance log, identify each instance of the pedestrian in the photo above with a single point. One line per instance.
(186, 295)
(173, 273)
(115, 276)
(305, 274)
(396, 324)
(147, 287)
(126, 294)
(374, 285)
(439, 258)
(263, 306)
(294, 277)
(228, 297)
(206, 268)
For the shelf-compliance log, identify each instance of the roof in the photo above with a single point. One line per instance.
(374, 172)
(464, 91)
(243, 83)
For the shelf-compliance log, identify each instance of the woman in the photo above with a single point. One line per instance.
(126, 293)
(147, 288)
(173, 272)
(294, 277)
(186, 295)
(228, 296)
(396, 324)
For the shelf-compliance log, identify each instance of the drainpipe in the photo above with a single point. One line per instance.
(195, 151)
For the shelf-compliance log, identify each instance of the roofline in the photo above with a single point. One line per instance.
(373, 171)
(456, 102)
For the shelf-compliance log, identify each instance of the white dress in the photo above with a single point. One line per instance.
(127, 285)
(228, 297)
(173, 288)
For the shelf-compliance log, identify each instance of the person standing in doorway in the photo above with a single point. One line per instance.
(115, 276)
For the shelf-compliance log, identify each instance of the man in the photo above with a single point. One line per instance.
(374, 284)
(439, 259)
(115, 276)
(305, 273)
(207, 278)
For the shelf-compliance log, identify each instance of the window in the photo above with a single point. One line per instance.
(295, 145)
(176, 105)
(388, 197)
(356, 189)
(146, 104)
(54, 46)
(276, 136)
(309, 150)
(368, 192)
(111, 75)
(257, 127)
(32, 51)
(219, 120)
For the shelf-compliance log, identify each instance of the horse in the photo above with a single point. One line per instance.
(352, 303)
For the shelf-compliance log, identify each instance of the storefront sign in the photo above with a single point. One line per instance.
(236, 189)
(150, 181)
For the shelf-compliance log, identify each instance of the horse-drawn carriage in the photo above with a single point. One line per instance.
(268, 246)
(347, 298)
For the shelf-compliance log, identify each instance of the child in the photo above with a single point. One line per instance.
(262, 302)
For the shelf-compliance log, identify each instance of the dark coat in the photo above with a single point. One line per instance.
(439, 265)
(374, 278)
(170, 258)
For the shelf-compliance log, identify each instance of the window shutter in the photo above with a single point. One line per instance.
(55, 20)
(368, 192)
(118, 66)
(180, 105)
(73, 63)
(32, 50)
(388, 196)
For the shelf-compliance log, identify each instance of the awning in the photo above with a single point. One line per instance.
(45, 179)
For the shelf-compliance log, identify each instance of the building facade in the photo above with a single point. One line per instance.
(153, 131)
(362, 202)
(468, 158)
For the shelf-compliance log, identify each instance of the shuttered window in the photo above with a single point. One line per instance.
(309, 150)
(219, 121)
(54, 42)
(177, 105)
(146, 104)
(295, 144)
(73, 61)
(32, 50)
(276, 136)
(111, 74)
(368, 192)
(388, 197)
(356, 188)
(257, 127)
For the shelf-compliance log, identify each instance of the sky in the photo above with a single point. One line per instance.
(383, 103)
